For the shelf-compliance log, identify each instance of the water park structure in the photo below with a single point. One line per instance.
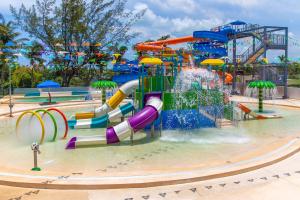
(176, 117)
(162, 75)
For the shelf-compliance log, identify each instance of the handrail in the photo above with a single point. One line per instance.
(271, 39)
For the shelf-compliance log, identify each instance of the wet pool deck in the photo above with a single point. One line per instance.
(277, 180)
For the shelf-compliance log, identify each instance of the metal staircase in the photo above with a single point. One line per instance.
(272, 41)
(251, 55)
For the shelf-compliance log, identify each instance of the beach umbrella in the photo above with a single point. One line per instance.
(261, 86)
(213, 62)
(48, 84)
(238, 23)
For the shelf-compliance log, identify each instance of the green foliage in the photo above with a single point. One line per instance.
(294, 70)
(164, 37)
(8, 34)
(21, 77)
(59, 24)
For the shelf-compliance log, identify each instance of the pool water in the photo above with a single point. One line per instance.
(46, 99)
(174, 151)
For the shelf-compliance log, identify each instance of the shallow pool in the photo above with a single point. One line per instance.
(174, 150)
(46, 99)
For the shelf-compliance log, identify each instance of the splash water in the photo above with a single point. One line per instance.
(268, 93)
(198, 99)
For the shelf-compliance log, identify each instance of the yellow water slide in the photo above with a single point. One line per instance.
(112, 103)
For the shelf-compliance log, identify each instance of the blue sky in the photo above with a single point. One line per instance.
(182, 17)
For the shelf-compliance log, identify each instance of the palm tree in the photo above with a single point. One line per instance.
(103, 85)
(33, 52)
(282, 58)
(261, 86)
(9, 38)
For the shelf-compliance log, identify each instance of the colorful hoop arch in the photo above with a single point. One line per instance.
(40, 120)
(53, 120)
(65, 119)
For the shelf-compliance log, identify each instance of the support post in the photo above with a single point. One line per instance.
(131, 137)
(265, 40)
(234, 66)
(160, 126)
(152, 130)
(142, 87)
(10, 93)
(285, 76)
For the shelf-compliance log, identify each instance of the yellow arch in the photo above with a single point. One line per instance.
(40, 120)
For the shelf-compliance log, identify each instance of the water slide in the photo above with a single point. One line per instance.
(103, 121)
(115, 134)
(161, 45)
(112, 103)
(228, 78)
(248, 111)
(207, 38)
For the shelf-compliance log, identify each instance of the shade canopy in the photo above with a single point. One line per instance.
(48, 84)
(151, 61)
(213, 62)
(104, 84)
(262, 84)
(238, 23)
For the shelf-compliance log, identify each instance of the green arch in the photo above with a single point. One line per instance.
(53, 120)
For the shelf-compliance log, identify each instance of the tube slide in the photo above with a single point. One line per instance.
(113, 102)
(123, 130)
(101, 122)
(228, 78)
(160, 45)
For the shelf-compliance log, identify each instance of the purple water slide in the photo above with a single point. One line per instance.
(111, 136)
(143, 118)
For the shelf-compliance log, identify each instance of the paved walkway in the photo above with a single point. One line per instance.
(276, 182)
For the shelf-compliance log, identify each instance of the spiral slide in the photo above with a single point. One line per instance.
(101, 122)
(121, 131)
(112, 103)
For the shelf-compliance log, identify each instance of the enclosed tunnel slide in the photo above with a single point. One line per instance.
(115, 134)
(103, 121)
(112, 103)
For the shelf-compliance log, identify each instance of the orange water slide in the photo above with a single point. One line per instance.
(161, 44)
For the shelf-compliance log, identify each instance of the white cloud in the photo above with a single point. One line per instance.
(186, 6)
(153, 25)
(241, 3)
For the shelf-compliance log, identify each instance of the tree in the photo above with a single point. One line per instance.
(282, 58)
(33, 51)
(164, 37)
(9, 40)
(76, 31)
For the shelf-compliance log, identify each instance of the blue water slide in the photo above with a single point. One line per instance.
(124, 78)
(211, 35)
(211, 49)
